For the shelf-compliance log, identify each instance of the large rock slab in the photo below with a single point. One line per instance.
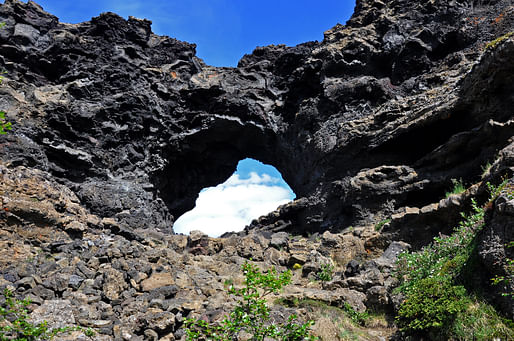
(57, 313)
(157, 280)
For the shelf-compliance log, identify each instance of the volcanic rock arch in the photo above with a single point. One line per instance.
(116, 129)
(209, 156)
(135, 124)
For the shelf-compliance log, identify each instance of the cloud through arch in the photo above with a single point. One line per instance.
(233, 204)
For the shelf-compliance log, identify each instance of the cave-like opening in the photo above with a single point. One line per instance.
(253, 190)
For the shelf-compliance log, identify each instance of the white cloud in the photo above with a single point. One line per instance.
(233, 205)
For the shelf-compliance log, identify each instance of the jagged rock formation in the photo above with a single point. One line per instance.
(136, 125)
(117, 129)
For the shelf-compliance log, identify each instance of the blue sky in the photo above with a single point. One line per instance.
(225, 30)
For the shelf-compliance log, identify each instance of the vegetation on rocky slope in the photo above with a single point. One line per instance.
(492, 44)
(251, 316)
(343, 323)
(15, 323)
(433, 282)
(4, 124)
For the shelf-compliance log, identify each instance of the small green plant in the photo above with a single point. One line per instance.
(381, 224)
(14, 323)
(325, 274)
(492, 44)
(251, 314)
(495, 191)
(89, 332)
(355, 316)
(458, 187)
(228, 282)
(4, 125)
(485, 170)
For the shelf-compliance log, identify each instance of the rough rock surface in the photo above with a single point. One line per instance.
(362, 124)
(117, 129)
(496, 247)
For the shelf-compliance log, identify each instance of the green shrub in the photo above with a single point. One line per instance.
(251, 313)
(445, 256)
(432, 304)
(14, 324)
(326, 273)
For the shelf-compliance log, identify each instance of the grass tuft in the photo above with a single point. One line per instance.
(458, 188)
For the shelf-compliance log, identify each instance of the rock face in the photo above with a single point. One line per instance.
(361, 124)
(496, 248)
(116, 130)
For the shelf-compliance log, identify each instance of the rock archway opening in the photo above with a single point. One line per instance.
(253, 190)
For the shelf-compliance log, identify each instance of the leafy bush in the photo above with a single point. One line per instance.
(431, 304)
(14, 324)
(251, 314)
(444, 257)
